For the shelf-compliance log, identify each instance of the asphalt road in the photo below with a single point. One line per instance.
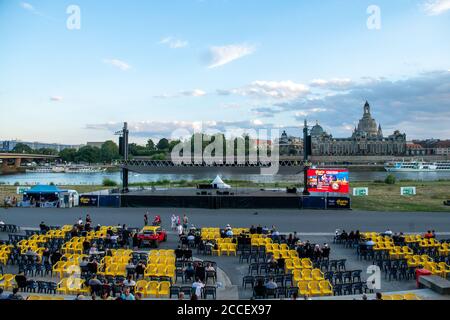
(308, 222)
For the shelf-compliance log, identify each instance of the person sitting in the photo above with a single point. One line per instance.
(30, 252)
(189, 271)
(93, 266)
(271, 284)
(326, 251)
(229, 233)
(127, 295)
(179, 253)
(198, 286)
(93, 250)
(209, 267)
(43, 227)
(55, 257)
(140, 269)
(21, 280)
(95, 284)
(260, 289)
(428, 235)
(252, 229)
(86, 245)
(129, 283)
(265, 230)
(259, 229)
(275, 235)
(273, 264)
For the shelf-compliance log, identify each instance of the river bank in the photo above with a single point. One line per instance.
(382, 197)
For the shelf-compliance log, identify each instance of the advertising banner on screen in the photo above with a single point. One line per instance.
(328, 180)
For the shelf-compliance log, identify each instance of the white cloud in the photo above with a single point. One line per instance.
(27, 6)
(122, 65)
(174, 43)
(194, 93)
(332, 84)
(56, 98)
(270, 89)
(188, 93)
(307, 112)
(226, 54)
(436, 7)
(177, 129)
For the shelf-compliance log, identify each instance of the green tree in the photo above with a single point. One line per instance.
(47, 151)
(88, 154)
(173, 144)
(150, 145)
(390, 179)
(109, 151)
(163, 144)
(22, 148)
(68, 155)
(159, 156)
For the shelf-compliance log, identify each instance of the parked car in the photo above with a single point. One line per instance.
(151, 236)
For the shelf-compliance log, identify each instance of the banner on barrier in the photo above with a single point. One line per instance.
(88, 200)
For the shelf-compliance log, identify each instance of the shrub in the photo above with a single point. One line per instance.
(390, 179)
(109, 183)
(16, 184)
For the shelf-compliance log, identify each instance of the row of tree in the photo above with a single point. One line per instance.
(109, 151)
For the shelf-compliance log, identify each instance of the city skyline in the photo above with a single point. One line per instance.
(172, 66)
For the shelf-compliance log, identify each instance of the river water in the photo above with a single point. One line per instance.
(97, 178)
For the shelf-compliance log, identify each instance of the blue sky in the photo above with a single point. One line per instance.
(168, 67)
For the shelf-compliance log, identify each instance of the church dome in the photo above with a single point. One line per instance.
(317, 130)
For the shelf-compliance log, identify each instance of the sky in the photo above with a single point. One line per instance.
(74, 71)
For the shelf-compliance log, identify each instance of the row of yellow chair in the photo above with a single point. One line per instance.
(315, 288)
(437, 268)
(228, 248)
(401, 252)
(152, 288)
(42, 298)
(416, 261)
(297, 264)
(307, 275)
(260, 241)
(429, 243)
(160, 270)
(162, 253)
(407, 296)
(72, 286)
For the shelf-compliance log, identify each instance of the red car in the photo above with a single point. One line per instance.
(151, 236)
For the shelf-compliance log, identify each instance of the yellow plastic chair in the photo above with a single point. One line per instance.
(303, 288)
(152, 288)
(140, 288)
(326, 288)
(164, 289)
(314, 288)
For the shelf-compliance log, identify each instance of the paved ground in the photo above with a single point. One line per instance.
(324, 222)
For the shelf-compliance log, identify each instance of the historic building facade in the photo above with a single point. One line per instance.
(367, 139)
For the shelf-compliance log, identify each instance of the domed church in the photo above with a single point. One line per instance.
(367, 139)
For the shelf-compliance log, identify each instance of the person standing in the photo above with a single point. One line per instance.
(185, 221)
(173, 221)
(145, 219)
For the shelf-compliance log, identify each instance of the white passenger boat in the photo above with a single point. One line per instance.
(417, 166)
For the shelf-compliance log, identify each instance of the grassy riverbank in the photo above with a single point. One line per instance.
(382, 197)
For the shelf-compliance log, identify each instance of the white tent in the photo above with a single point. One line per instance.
(218, 182)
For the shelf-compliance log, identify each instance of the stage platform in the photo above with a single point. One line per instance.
(235, 198)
